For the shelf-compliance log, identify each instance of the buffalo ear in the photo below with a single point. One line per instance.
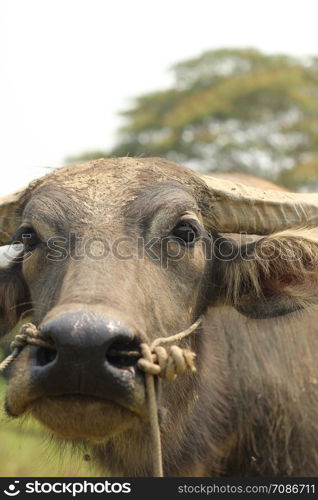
(274, 276)
(13, 289)
(10, 214)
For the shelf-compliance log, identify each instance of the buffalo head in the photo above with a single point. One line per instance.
(115, 252)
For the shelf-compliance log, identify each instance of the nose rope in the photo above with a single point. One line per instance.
(154, 360)
(29, 334)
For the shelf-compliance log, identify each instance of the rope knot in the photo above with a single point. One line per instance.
(29, 334)
(28, 331)
(166, 363)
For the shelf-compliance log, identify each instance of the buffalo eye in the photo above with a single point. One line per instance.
(186, 232)
(29, 238)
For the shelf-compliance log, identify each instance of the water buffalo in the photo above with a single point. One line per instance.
(115, 252)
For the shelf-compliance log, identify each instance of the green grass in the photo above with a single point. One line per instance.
(26, 450)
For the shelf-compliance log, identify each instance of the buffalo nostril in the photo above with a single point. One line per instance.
(45, 355)
(123, 355)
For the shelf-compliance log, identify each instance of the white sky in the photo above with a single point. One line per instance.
(68, 66)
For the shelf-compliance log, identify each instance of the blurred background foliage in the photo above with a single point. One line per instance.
(231, 110)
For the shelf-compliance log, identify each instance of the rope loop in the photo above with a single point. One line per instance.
(166, 363)
(29, 334)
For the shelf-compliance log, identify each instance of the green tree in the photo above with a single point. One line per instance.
(232, 110)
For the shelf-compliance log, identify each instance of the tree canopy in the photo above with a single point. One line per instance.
(232, 110)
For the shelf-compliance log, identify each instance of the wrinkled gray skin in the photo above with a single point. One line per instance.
(251, 407)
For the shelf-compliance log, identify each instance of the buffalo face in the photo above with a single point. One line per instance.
(113, 256)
